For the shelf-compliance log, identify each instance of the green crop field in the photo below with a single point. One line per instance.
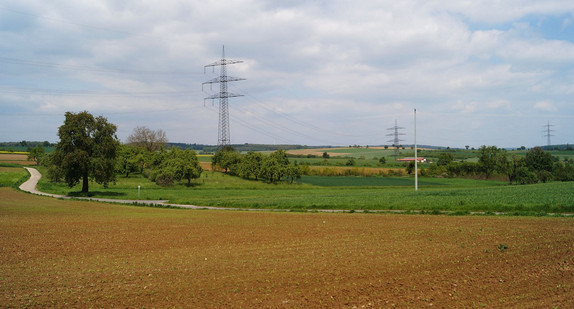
(11, 174)
(435, 194)
(353, 181)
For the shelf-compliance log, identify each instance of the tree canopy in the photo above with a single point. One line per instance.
(147, 139)
(87, 150)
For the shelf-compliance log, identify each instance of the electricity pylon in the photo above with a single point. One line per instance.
(396, 140)
(223, 135)
(548, 134)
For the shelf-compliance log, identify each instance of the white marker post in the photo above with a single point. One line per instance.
(139, 191)
(416, 156)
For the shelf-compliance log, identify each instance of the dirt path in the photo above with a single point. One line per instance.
(30, 186)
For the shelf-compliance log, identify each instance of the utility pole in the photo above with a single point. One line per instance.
(548, 134)
(396, 140)
(223, 135)
(416, 156)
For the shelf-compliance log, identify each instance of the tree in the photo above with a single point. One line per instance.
(410, 167)
(445, 158)
(326, 155)
(87, 150)
(187, 165)
(127, 160)
(270, 169)
(226, 158)
(147, 139)
(538, 160)
(488, 159)
(250, 165)
(276, 165)
(512, 167)
(294, 171)
(36, 154)
(176, 165)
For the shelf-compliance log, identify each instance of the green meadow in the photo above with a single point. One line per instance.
(347, 193)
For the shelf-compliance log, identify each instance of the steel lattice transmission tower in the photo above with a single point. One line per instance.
(396, 140)
(547, 130)
(223, 135)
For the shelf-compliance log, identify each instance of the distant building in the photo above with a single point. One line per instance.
(412, 159)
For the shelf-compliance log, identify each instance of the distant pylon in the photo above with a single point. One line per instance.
(223, 135)
(396, 140)
(548, 134)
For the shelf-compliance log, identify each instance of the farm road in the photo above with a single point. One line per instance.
(30, 186)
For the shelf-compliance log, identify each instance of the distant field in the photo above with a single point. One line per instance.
(15, 158)
(354, 181)
(367, 153)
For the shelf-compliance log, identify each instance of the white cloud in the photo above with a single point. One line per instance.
(344, 66)
(544, 106)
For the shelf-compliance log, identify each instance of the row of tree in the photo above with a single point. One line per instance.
(256, 165)
(164, 167)
(536, 166)
(90, 150)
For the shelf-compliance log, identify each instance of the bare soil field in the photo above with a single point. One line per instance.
(316, 152)
(15, 158)
(58, 253)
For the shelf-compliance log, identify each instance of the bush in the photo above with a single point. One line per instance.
(524, 176)
(164, 179)
(564, 172)
(544, 176)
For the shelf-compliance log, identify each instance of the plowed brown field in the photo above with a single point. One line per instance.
(57, 253)
(15, 158)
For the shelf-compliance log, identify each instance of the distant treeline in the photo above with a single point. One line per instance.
(558, 147)
(25, 146)
(241, 147)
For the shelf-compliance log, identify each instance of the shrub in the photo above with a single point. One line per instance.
(164, 179)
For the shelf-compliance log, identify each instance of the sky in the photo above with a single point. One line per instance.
(316, 72)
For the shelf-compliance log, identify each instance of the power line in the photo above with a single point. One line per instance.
(71, 92)
(89, 68)
(291, 118)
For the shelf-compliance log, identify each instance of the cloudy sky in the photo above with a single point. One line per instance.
(317, 72)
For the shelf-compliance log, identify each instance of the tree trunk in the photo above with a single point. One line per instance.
(85, 183)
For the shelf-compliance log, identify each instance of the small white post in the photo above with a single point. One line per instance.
(416, 156)
(139, 191)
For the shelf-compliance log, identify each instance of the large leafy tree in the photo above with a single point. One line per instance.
(87, 150)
